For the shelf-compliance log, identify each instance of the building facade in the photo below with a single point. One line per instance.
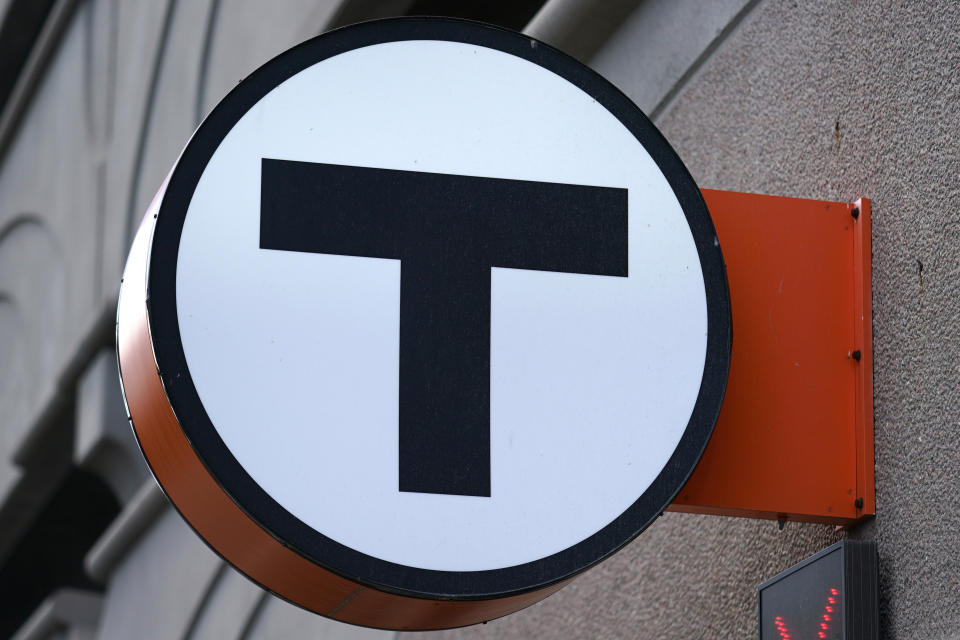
(830, 100)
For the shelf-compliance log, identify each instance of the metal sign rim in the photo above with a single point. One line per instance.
(254, 501)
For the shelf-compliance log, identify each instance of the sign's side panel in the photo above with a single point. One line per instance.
(785, 445)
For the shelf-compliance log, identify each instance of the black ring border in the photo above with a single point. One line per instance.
(264, 510)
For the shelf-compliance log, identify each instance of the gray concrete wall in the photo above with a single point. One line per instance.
(828, 100)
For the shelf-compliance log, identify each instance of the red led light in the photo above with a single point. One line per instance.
(784, 631)
(781, 628)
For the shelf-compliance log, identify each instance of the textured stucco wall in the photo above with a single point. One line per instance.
(828, 100)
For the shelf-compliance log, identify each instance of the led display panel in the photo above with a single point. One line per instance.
(831, 595)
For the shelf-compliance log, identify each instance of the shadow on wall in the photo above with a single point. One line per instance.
(50, 553)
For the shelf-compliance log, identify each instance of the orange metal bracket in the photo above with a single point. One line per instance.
(794, 440)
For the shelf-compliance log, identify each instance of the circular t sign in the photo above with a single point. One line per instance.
(427, 320)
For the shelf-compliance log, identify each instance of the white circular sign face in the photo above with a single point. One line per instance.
(443, 304)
